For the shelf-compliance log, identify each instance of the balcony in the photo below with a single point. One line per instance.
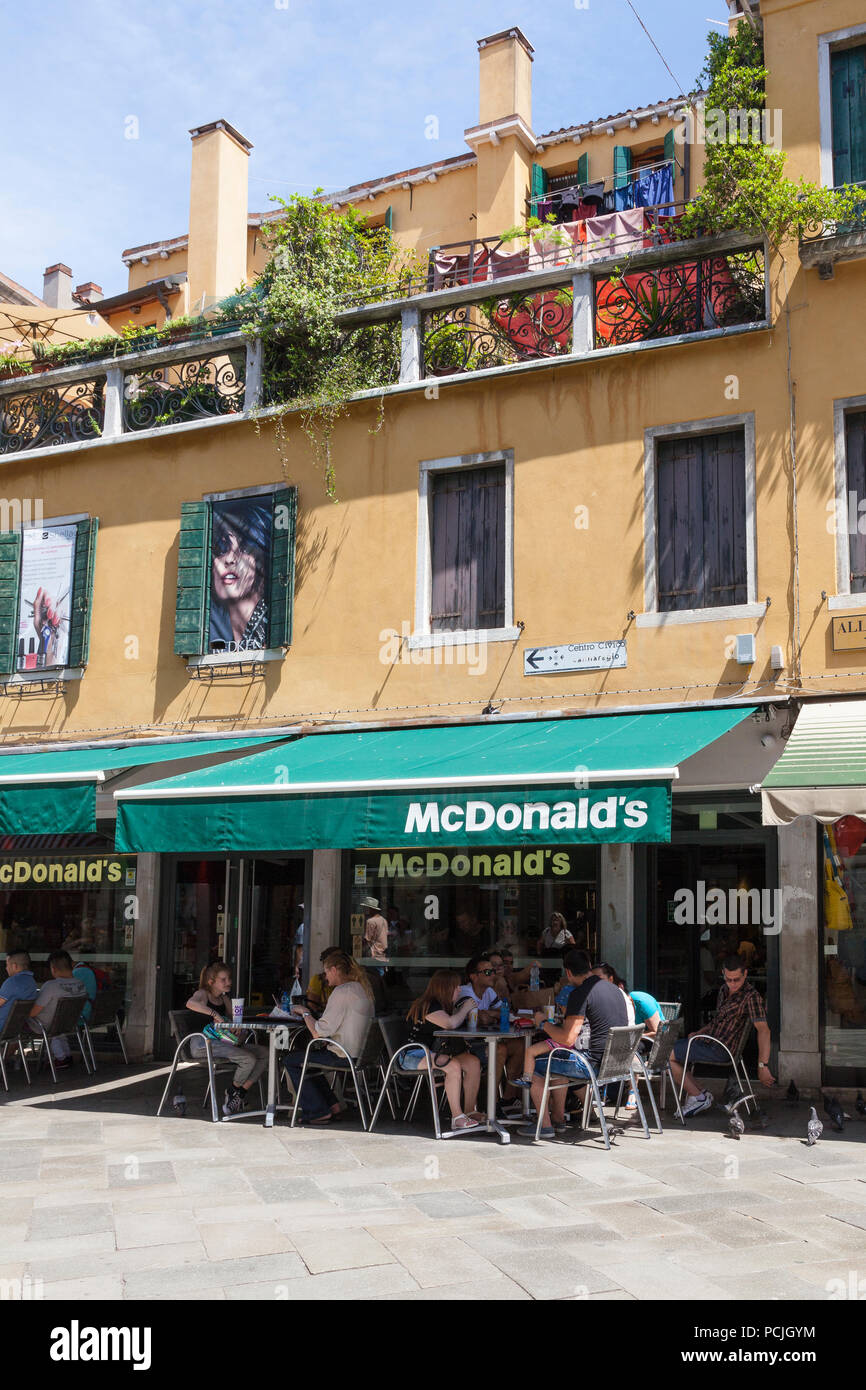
(563, 298)
(831, 242)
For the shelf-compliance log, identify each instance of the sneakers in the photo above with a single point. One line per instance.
(546, 1132)
(696, 1105)
(235, 1101)
(560, 1126)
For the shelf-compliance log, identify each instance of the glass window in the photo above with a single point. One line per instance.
(845, 947)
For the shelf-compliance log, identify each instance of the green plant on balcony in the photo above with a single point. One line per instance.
(745, 187)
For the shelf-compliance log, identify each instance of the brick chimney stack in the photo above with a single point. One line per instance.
(218, 198)
(88, 293)
(57, 286)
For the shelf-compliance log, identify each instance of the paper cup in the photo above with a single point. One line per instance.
(237, 1011)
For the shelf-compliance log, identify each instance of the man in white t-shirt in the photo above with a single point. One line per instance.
(479, 973)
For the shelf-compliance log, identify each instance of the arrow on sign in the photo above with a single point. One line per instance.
(531, 658)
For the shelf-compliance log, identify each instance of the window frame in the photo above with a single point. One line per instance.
(843, 597)
(423, 638)
(260, 654)
(652, 616)
(51, 674)
(851, 37)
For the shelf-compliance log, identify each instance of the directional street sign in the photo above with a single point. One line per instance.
(576, 656)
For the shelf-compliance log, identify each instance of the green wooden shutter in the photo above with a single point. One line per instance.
(193, 569)
(621, 165)
(10, 572)
(848, 101)
(537, 188)
(389, 217)
(82, 592)
(583, 168)
(282, 589)
(670, 150)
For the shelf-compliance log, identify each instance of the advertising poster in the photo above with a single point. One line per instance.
(240, 566)
(45, 598)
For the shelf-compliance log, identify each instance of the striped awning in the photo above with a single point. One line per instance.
(822, 772)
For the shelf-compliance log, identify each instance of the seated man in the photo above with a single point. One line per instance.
(738, 1003)
(479, 975)
(20, 983)
(593, 1004)
(318, 989)
(62, 985)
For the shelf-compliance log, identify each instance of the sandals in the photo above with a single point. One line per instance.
(464, 1122)
(525, 1081)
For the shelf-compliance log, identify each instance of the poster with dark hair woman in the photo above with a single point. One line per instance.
(240, 563)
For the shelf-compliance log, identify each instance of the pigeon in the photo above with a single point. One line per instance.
(736, 1126)
(792, 1095)
(814, 1129)
(833, 1109)
(860, 1105)
(614, 1131)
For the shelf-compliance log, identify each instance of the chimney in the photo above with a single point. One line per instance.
(57, 286)
(217, 253)
(505, 61)
(88, 293)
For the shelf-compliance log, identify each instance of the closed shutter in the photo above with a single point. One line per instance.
(621, 165)
(10, 572)
(855, 458)
(193, 570)
(701, 522)
(537, 188)
(583, 169)
(282, 585)
(389, 217)
(82, 591)
(467, 523)
(848, 99)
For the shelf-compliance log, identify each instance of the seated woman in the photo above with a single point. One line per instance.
(213, 999)
(460, 1068)
(347, 1018)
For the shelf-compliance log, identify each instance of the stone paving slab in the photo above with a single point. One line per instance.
(101, 1200)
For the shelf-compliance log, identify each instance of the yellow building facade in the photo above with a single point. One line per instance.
(600, 449)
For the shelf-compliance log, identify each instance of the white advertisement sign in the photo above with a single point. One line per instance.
(45, 599)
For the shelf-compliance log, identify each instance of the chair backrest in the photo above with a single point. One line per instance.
(182, 1022)
(105, 1008)
(618, 1051)
(663, 1044)
(67, 1016)
(669, 1010)
(395, 1032)
(376, 984)
(16, 1020)
(371, 1051)
(740, 1045)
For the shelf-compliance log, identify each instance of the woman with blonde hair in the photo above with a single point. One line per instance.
(460, 1068)
(556, 933)
(213, 998)
(346, 1020)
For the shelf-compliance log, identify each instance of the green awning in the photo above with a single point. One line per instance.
(822, 771)
(54, 793)
(600, 778)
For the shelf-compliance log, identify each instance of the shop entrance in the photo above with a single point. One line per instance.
(712, 894)
(248, 912)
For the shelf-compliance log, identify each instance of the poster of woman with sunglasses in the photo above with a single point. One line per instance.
(240, 563)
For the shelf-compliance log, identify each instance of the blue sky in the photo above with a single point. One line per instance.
(329, 92)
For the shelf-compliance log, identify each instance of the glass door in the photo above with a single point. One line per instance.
(271, 935)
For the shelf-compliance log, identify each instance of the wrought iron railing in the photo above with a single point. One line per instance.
(690, 296)
(200, 388)
(52, 415)
(497, 331)
(857, 223)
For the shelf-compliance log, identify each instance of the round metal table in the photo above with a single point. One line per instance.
(491, 1037)
(280, 1032)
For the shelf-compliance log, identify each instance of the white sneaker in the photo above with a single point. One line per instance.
(697, 1104)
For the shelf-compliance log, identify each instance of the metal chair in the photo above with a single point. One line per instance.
(657, 1064)
(396, 1070)
(321, 1066)
(105, 1015)
(183, 1030)
(15, 1030)
(735, 1055)
(617, 1064)
(67, 1017)
(669, 1010)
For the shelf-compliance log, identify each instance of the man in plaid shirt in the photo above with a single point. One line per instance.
(739, 1003)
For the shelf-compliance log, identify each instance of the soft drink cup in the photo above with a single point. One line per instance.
(237, 1011)
(551, 1013)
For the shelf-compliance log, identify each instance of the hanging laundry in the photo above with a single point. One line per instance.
(654, 188)
(615, 234)
(623, 198)
(593, 192)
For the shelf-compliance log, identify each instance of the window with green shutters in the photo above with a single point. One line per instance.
(77, 603)
(537, 188)
(848, 100)
(583, 168)
(621, 165)
(203, 623)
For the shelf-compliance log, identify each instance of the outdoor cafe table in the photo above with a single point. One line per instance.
(273, 1027)
(490, 1036)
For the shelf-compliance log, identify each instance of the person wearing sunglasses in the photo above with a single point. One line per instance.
(478, 986)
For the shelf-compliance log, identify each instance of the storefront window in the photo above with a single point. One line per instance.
(443, 906)
(83, 903)
(845, 949)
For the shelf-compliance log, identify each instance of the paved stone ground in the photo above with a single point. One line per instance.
(100, 1200)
